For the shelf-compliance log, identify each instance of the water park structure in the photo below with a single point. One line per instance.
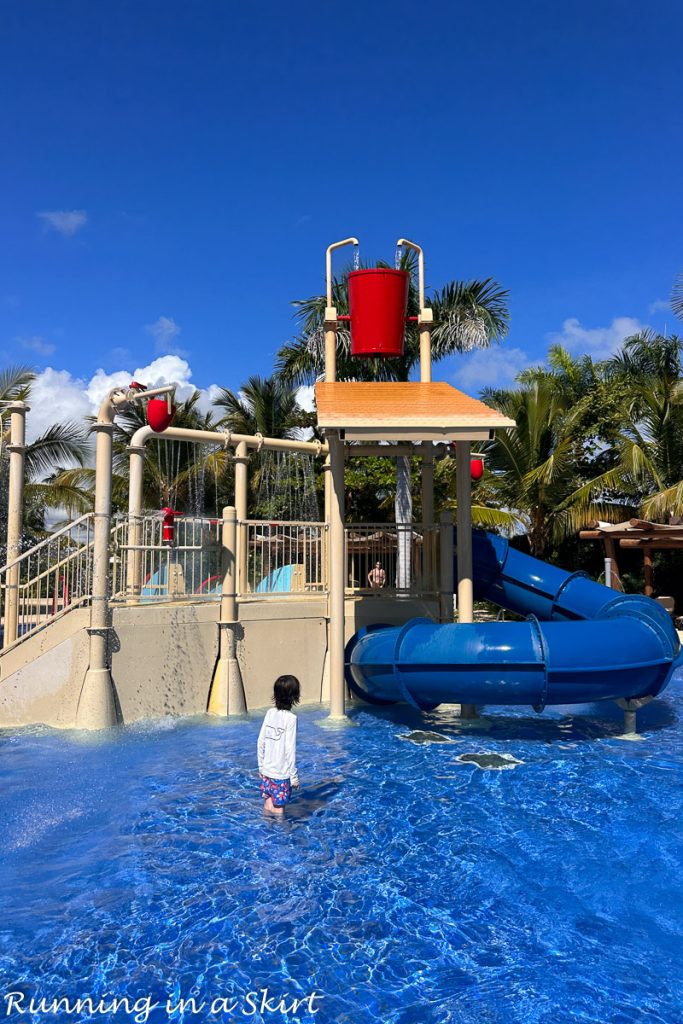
(114, 619)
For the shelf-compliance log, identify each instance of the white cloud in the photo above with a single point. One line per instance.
(37, 344)
(66, 222)
(164, 331)
(598, 342)
(659, 306)
(490, 367)
(57, 396)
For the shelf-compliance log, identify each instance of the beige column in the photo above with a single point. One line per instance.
(463, 486)
(135, 496)
(15, 516)
(96, 706)
(446, 566)
(226, 696)
(428, 567)
(330, 328)
(337, 578)
(241, 508)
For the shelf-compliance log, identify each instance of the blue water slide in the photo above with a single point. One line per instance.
(581, 642)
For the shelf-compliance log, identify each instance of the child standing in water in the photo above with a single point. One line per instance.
(277, 746)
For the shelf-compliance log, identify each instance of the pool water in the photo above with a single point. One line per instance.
(410, 882)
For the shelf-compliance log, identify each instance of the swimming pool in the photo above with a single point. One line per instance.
(405, 886)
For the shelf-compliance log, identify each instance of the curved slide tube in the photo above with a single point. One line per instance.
(581, 642)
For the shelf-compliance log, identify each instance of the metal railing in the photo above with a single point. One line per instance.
(395, 557)
(47, 581)
(277, 558)
(145, 567)
(284, 558)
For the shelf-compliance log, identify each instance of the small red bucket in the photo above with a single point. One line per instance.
(158, 415)
(476, 468)
(378, 302)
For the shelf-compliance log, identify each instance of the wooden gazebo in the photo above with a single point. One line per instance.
(632, 534)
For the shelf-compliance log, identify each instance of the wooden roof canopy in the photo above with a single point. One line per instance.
(405, 411)
(637, 533)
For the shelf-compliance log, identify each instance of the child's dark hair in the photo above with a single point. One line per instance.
(286, 691)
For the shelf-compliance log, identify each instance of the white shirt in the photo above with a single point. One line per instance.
(277, 746)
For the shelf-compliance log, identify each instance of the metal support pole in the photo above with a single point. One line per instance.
(226, 696)
(96, 706)
(15, 516)
(446, 568)
(337, 580)
(241, 508)
(630, 728)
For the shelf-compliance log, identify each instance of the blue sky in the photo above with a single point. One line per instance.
(172, 172)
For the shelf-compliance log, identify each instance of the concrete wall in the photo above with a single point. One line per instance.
(163, 656)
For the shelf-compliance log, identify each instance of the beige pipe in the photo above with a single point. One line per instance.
(226, 438)
(328, 263)
(226, 696)
(337, 574)
(15, 516)
(330, 324)
(425, 317)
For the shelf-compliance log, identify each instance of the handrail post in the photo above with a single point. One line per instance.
(15, 517)
(226, 696)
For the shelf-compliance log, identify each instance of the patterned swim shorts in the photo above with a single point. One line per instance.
(279, 790)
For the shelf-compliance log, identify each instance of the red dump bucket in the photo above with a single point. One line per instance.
(158, 415)
(378, 301)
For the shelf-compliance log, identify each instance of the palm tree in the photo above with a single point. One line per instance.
(281, 486)
(677, 297)
(467, 315)
(650, 442)
(59, 444)
(533, 473)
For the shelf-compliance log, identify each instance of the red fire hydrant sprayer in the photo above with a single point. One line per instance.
(168, 518)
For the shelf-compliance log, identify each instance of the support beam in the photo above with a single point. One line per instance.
(649, 572)
(337, 574)
(227, 697)
(330, 329)
(463, 485)
(135, 496)
(15, 516)
(241, 508)
(96, 706)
